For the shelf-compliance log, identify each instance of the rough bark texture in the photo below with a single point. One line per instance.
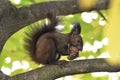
(52, 72)
(12, 19)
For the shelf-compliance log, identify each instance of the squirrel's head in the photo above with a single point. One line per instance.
(75, 37)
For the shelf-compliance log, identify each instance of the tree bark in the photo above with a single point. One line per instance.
(52, 72)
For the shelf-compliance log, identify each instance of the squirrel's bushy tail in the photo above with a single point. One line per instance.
(36, 31)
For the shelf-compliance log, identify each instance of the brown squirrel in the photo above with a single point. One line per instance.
(46, 45)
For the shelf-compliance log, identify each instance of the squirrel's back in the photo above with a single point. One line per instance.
(35, 32)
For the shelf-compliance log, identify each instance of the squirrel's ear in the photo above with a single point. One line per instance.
(76, 28)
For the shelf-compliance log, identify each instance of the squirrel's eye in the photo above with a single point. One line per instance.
(78, 41)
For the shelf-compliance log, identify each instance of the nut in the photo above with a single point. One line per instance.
(73, 53)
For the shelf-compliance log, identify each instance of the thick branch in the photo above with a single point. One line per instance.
(56, 71)
(13, 19)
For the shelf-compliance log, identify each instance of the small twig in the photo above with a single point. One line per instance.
(101, 14)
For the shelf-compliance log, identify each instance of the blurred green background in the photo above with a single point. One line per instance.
(16, 60)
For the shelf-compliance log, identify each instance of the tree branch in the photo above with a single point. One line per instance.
(12, 19)
(56, 71)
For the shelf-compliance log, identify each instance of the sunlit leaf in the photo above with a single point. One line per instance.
(86, 4)
(112, 31)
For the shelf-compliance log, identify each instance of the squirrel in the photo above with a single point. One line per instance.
(45, 44)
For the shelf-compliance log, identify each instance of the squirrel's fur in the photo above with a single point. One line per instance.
(45, 45)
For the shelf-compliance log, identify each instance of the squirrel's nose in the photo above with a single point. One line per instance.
(80, 48)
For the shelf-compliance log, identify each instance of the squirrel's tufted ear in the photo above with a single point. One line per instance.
(76, 28)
